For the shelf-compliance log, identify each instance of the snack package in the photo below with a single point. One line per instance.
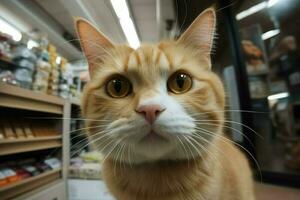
(10, 175)
(3, 180)
(22, 173)
(42, 75)
(32, 170)
(54, 163)
(42, 167)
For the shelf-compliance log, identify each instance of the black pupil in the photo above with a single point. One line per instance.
(180, 80)
(118, 85)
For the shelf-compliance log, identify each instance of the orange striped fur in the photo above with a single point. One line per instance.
(195, 161)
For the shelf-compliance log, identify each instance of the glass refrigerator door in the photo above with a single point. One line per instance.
(269, 34)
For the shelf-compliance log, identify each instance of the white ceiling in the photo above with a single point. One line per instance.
(98, 12)
(144, 14)
(58, 11)
(150, 18)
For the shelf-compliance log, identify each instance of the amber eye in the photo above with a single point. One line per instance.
(118, 87)
(179, 82)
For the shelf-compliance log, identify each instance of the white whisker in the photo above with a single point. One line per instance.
(233, 122)
(204, 131)
(234, 129)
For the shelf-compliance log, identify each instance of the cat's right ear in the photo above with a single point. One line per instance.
(200, 34)
(93, 42)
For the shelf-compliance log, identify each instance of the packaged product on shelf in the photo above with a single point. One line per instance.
(75, 88)
(13, 127)
(7, 129)
(42, 167)
(27, 130)
(29, 166)
(6, 70)
(24, 63)
(31, 169)
(43, 67)
(24, 77)
(54, 163)
(13, 171)
(3, 180)
(66, 79)
(2, 129)
(73, 91)
(10, 175)
(86, 166)
(5, 46)
(63, 90)
(18, 129)
(42, 51)
(23, 174)
(53, 83)
(1, 133)
(25, 59)
(7, 76)
(42, 75)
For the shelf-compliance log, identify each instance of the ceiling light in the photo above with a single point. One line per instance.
(256, 8)
(121, 9)
(129, 30)
(270, 34)
(278, 96)
(10, 30)
(58, 60)
(272, 3)
(252, 10)
(31, 44)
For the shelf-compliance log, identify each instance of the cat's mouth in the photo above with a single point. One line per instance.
(152, 136)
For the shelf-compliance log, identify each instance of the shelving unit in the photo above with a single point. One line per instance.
(45, 185)
(33, 139)
(16, 97)
(21, 187)
(12, 146)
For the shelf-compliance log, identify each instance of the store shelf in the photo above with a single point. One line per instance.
(16, 97)
(31, 139)
(28, 184)
(11, 146)
(55, 190)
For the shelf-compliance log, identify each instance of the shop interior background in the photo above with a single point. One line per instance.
(44, 153)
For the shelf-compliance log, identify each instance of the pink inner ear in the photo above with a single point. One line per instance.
(93, 42)
(200, 33)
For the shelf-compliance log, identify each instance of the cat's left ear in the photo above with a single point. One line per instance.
(94, 43)
(200, 34)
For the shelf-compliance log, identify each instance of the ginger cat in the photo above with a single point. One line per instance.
(157, 114)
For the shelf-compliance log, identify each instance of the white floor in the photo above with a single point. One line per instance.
(96, 190)
(87, 190)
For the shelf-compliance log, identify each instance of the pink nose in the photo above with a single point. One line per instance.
(150, 112)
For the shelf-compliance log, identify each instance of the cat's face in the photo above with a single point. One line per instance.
(158, 102)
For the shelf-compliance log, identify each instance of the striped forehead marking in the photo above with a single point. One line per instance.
(148, 56)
